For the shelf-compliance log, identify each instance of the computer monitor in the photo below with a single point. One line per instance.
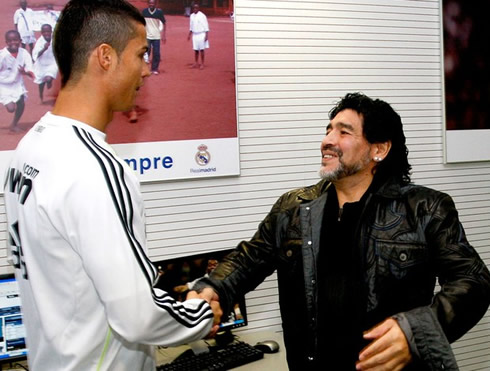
(12, 330)
(178, 275)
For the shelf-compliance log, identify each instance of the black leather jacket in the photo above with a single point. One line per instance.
(411, 236)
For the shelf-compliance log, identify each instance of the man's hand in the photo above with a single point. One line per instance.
(388, 351)
(212, 298)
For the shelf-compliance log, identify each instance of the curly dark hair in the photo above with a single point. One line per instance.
(380, 124)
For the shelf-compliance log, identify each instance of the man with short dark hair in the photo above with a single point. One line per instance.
(358, 254)
(76, 216)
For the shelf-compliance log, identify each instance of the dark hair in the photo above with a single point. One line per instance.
(84, 25)
(380, 124)
(12, 32)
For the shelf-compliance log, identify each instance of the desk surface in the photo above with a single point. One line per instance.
(274, 361)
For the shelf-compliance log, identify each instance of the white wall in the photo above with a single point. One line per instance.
(294, 60)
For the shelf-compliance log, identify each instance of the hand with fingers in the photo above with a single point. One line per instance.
(388, 350)
(212, 298)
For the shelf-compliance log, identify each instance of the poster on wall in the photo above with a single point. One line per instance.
(184, 122)
(466, 53)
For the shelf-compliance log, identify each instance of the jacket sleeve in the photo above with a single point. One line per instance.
(112, 247)
(427, 341)
(464, 294)
(249, 264)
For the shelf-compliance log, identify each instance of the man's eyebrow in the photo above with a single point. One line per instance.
(346, 126)
(342, 125)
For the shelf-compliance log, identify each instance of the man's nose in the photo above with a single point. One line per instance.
(146, 70)
(329, 138)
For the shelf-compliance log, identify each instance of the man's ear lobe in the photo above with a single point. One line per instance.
(382, 149)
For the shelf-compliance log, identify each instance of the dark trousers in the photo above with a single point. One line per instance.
(154, 50)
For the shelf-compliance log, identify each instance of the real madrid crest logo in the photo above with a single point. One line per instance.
(203, 157)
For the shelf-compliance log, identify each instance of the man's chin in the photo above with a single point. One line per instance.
(329, 175)
(125, 107)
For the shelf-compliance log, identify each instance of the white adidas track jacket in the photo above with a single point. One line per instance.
(77, 240)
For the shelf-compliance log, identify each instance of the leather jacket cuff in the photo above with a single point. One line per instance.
(206, 282)
(430, 341)
(407, 330)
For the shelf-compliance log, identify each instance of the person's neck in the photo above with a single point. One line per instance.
(77, 104)
(352, 188)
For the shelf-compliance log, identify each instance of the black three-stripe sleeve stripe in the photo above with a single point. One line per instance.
(114, 175)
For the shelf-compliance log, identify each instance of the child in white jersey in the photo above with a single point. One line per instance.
(14, 63)
(45, 67)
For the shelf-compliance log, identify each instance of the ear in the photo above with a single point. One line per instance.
(379, 151)
(106, 56)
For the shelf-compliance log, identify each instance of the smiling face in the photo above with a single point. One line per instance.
(12, 39)
(345, 150)
(46, 32)
(129, 72)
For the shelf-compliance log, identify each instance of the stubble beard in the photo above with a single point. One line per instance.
(343, 170)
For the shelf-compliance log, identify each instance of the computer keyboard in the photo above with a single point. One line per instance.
(219, 358)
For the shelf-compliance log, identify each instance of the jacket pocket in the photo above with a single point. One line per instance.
(290, 254)
(401, 260)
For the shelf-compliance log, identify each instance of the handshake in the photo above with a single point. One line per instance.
(212, 298)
